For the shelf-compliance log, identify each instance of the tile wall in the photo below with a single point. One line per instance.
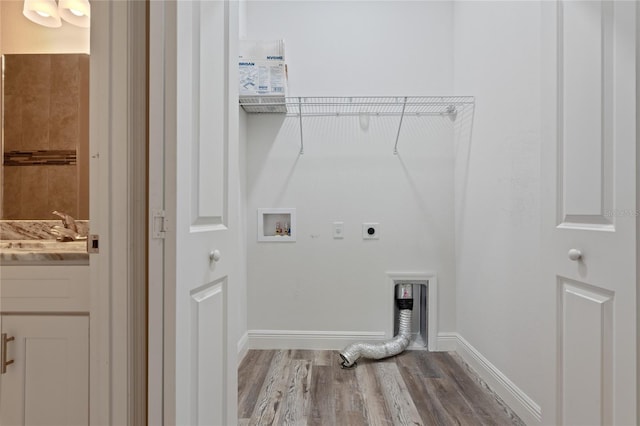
(46, 136)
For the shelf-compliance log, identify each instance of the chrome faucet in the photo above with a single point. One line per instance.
(69, 230)
(67, 220)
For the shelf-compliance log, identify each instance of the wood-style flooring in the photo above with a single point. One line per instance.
(301, 387)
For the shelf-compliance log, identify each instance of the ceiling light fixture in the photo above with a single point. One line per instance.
(43, 12)
(76, 12)
(48, 13)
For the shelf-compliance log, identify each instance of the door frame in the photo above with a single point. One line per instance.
(638, 213)
(118, 145)
(161, 252)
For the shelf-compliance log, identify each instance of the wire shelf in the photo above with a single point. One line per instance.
(353, 106)
(325, 106)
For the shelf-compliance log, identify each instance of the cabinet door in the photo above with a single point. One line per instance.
(48, 383)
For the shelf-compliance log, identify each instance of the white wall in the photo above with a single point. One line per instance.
(638, 216)
(242, 268)
(500, 310)
(20, 35)
(350, 174)
(360, 48)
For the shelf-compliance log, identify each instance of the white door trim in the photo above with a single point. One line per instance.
(155, 361)
(637, 215)
(115, 123)
(100, 366)
(156, 409)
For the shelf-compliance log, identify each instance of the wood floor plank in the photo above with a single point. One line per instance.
(397, 398)
(307, 392)
(419, 362)
(251, 375)
(292, 410)
(377, 412)
(273, 390)
(428, 405)
(482, 403)
(458, 411)
(324, 357)
(322, 409)
(349, 402)
(304, 354)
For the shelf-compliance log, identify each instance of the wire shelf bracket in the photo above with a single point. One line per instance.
(301, 134)
(395, 147)
(399, 106)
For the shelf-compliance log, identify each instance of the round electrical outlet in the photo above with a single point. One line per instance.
(370, 231)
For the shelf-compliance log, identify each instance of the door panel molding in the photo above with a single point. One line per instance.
(208, 337)
(585, 134)
(209, 113)
(585, 349)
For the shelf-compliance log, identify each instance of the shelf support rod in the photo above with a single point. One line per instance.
(395, 148)
(300, 113)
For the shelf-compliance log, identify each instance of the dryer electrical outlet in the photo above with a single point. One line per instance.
(370, 231)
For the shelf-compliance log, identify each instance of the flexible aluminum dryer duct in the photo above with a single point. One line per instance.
(404, 300)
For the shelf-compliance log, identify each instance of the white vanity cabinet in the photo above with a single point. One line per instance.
(45, 309)
(48, 382)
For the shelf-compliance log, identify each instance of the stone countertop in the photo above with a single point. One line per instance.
(15, 252)
(30, 242)
(35, 229)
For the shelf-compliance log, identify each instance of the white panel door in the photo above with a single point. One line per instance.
(589, 210)
(194, 102)
(48, 382)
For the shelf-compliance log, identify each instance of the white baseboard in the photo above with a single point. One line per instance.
(243, 347)
(521, 404)
(316, 340)
(447, 342)
(329, 340)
